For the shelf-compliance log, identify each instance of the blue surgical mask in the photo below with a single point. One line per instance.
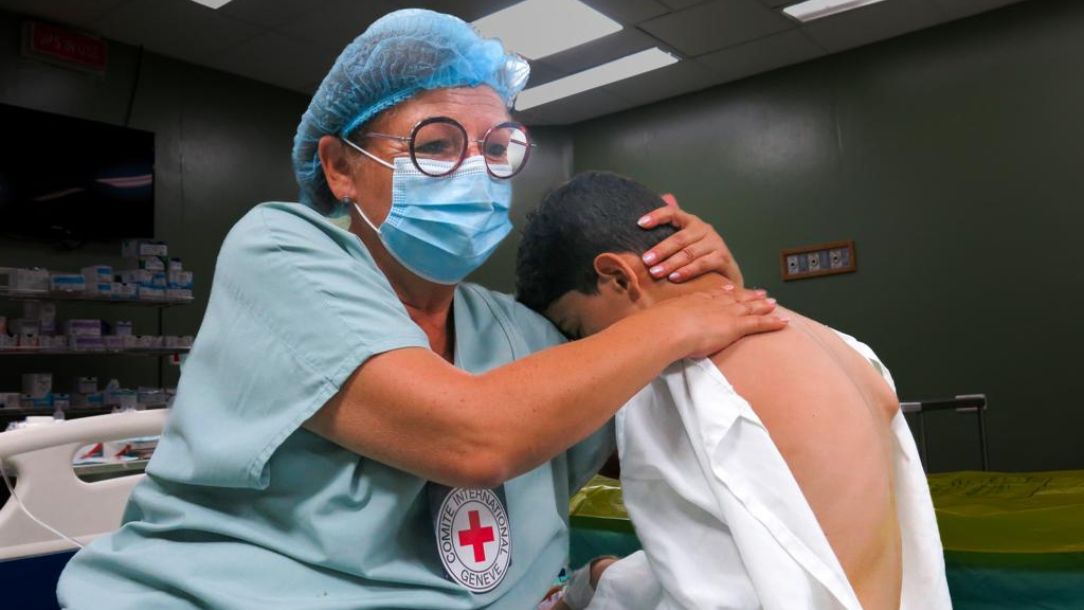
(441, 229)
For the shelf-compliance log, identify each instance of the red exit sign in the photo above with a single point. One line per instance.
(65, 47)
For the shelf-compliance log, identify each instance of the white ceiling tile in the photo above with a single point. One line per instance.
(760, 55)
(716, 25)
(542, 73)
(177, 28)
(72, 12)
(579, 107)
(276, 59)
(270, 13)
(596, 52)
(467, 10)
(872, 23)
(677, 5)
(628, 12)
(683, 77)
(337, 22)
(956, 9)
(292, 43)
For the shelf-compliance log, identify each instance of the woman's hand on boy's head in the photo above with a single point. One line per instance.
(694, 250)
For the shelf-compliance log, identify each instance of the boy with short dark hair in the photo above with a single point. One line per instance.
(779, 473)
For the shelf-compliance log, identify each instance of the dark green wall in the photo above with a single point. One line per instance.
(222, 144)
(950, 155)
(953, 157)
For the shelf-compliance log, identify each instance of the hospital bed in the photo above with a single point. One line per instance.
(1013, 541)
(48, 490)
(967, 403)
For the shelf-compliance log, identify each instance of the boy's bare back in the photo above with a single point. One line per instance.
(829, 412)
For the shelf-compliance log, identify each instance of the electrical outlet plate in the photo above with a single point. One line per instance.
(818, 261)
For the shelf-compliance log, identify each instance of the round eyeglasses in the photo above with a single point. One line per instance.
(505, 147)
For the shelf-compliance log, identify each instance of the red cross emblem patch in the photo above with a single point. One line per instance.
(473, 538)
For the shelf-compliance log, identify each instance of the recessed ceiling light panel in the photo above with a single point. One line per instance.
(619, 69)
(213, 3)
(537, 28)
(816, 9)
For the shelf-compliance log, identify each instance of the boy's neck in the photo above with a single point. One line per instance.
(662, 290)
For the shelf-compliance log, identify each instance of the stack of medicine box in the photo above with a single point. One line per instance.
(99, 280)
(151, 276)
(35, 329)
(37, 391)
(95, 280)
(154, 274)
(86, 393)
(87, 335)
(38, 328)
(23, 280)
(84, 335)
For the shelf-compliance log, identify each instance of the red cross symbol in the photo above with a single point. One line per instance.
(477, 536)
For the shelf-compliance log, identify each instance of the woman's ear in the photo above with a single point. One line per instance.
(617, 277)
(336, 167)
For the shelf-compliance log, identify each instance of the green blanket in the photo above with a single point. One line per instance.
(1012, 540)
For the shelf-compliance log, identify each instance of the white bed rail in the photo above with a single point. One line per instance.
(41, 458)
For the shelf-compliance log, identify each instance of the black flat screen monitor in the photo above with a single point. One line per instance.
(72, 180)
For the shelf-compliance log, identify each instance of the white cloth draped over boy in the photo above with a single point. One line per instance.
(722, 520)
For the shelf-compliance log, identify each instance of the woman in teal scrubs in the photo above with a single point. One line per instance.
(355, 428)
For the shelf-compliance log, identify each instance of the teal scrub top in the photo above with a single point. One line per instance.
(243, 508)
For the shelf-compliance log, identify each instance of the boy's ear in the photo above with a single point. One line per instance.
(617, 277)
(336, 168)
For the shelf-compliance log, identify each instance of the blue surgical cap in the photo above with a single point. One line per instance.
(401, 54)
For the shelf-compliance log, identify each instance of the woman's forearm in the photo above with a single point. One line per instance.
(413, 410)
(561, 395)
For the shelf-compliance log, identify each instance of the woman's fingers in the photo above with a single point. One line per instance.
(714, 260)
(753, 325)
(759, 307)
(760, 313)
(696, 255)
(690, 237)
(696, 249)
(668, 214)
(751, 294)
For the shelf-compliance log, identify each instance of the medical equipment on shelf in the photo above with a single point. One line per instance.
(964, 403)
(51, 510)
